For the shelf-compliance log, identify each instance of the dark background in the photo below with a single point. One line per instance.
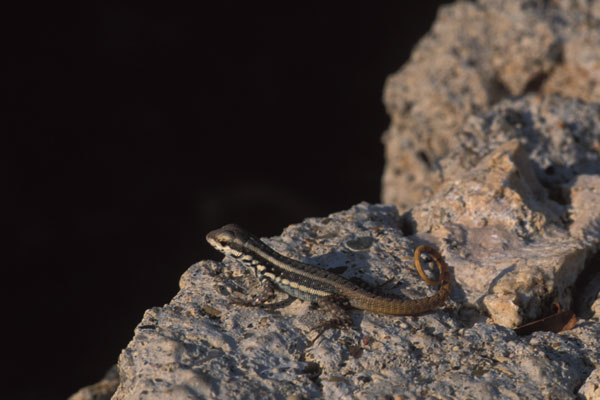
(135, 129)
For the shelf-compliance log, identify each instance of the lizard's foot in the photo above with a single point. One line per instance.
(266, 294)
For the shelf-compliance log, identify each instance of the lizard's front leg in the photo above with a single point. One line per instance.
(267, 293)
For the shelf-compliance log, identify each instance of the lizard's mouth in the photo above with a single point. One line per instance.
(223, 248)
(214, 243)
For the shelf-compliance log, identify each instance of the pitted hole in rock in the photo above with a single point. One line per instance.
(407, 224)
(312, 370)
(421, 155)
(535, 84)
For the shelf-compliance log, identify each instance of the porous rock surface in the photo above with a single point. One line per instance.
(476, 54)
(202, 346)
(519, 209)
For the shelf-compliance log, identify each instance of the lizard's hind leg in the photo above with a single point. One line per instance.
(336, 308)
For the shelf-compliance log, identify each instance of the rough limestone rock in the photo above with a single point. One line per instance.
(201, 346)
(476, 54)
(519, 209)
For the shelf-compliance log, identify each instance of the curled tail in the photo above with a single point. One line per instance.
(385, 305)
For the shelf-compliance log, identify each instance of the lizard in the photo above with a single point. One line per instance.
(317, 285)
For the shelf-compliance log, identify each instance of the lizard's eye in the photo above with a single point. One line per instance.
(224, 239)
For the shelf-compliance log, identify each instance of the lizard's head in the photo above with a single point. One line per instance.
(228, 239)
